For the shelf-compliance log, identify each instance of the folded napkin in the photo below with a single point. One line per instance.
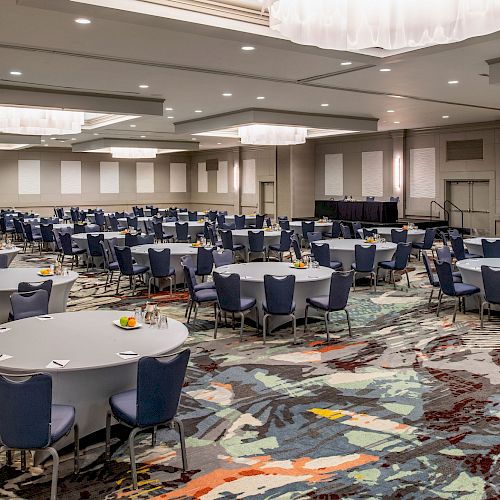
(127, 354)
(4, 357)
(45, 317)
(4, 330)
(58, 363)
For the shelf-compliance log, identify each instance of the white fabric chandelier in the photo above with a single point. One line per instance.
(271, 135)
(387, 24)
(133, 152)
(37, 121)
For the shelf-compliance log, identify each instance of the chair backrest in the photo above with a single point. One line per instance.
(457, 244)
(445, 276)
(93, 244)
(47, 233)
(4, 261)
(221, 219)
(105, 254)
(346, 232)
(454, 232)
(364, 256)
(18, 226)
(66, 245)
(432, 277)
(224, 258)
(187, 261)
(204, 261)
(491, 283)
(29, 305)
(26, 412)
(256, 241)
(140, 212)
(444, 254)
(296, 247)
(79, 228)
(213, 235)
(259, 221)
(394, 199)
(192, 215)
(145, 239)
(99, 219)
(28, 231)
(159, 387)
(369, 232)
(340, 286)
(284, 224)
(279, 292)
(316, 236)
(307, 227)
(132, 222)
(285, 240)
(226, 236)
(26, 288)
(189, 277)
(131, 240)
(399, 235)
(430, 235)
(182, 230)
(228, 291)
(370, 198)
(336, 229)
(321, 253)
(124, 259)
(158, 230)
(491, 249)
(159, 262)
(239, 221)
(212, 215)
(113, 222)
(403, 251)
(356, 227)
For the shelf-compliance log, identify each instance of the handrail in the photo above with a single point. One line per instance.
(446, 213)
(454, 206)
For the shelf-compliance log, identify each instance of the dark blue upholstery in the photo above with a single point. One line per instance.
(93, 244)
(369, 232)
(204, 262)
(491, 283)
(29, 305)
(284, 225)
(145, 239)
(259, 221)
(346, 232)
(321, 253)
(364, 258)
(356, 227)
(113, 223)
(182, 231)
(256, 241)
(296, 247)
(221, 219)
(229, 295)
(239, 221)
(340, 285)
(430, 235)
(197, 294)
(132, 222)
(307, 227)
(99, 219)
(448, 286)
(46, 231)
(125, 263)
(491, 249)
(336, 229)
(400, 259)
(279, 292)
(285, 242)
(224, 258)
(131, 240)
(192, 215)
(227, 241)
(399, 235)
(159, 234)
(312, 237)
(159, 263)
(26, 288)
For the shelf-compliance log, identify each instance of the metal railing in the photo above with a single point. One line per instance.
(445, 212)
(452, 205)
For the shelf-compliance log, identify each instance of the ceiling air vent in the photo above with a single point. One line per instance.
(464, 150)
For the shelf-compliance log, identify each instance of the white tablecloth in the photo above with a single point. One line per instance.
(10, 253)
(319, 227)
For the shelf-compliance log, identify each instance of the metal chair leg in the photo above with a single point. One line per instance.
(55, 472)
(196, 305)
(182, 438)
(118, 284)
(348, 322)
(242, 324)
(133, 465)
(76, 453)
(407, 277)
(439, 303)
(294, 328)
(305, 318)
(264, 320)
(481, 314)
(153, 436)
(326, 326)
(107, 454)
(432, 293)
(216, 320)
(457, 303)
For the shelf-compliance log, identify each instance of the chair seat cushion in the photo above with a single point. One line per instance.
(79, 251)
(204, 286)
(137, 269)
(320, 302)
(113, 266)
(472, 256)
(275, 248)
(237, 247)
(63, 418)
(266, 310)
(205, 295)
(388, 264)
(124, 406)
(353, 265)
(247, 303)
(457, 277)
(334, 264)
(464, 289)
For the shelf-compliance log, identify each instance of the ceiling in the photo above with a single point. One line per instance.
(191, 65)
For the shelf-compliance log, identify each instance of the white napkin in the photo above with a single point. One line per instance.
(5, 357)
(127, 354)
(4, 330)
(54, 363)
(45, 317)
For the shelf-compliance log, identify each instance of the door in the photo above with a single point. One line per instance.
(266, 202)
(473, 198)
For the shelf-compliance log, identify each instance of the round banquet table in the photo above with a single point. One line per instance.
(184, 216)
(240, 237)
(194, 228)
(177, 250)
(250, 220)
(319, 227)
(475, 246)
(141, 223)
(308, 283)
(470, 269)
(90, 341)
(343, 251)
(81, 239)
(414, 235)
(11, 277)
(10, 253)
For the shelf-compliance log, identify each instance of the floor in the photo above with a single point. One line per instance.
(409, 407)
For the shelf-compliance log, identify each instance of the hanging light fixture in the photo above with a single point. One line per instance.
(389, 24)
(272, 135)
(118, 152)
(38, 121)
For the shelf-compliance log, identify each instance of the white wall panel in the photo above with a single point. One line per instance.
(28, 176)
(248, 177)
(145, 177)
(372, 173)
(202, 178)
(222, 178)
(423, 173)
(334, 175)
(109, 173)
(178, 178)
(71, 177)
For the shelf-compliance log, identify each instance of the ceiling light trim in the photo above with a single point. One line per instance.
(107, 143)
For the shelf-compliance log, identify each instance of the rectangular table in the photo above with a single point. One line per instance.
(366, 211)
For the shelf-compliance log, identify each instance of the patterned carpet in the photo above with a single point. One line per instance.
(408, 408)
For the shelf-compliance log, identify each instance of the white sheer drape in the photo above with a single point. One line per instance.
(389, 24)
(272, 135)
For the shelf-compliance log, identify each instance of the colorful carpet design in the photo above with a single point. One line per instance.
(408, 407)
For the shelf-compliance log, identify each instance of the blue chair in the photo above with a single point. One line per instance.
(346, 232)
(336, 229)
(128, 268)
(256, 244)
(491, 285)
(160, 236)
(145, 239)
(259, 221)
(394, 199)
(192, 215)
(279, 291)
(452, 289)
(284, 225)
(307, 227)
(204, 262)
(399, 236)
(356, 230)
(367, 233)
(213, 237)
(79, 228)
(312, 237)
(26, 288)
(433, 278)
(239, 221)
(198, 295)
(159, 266)
(227, 241)
(430, 235)
(295, 245)
(221, 219)
(457, 243)
(99, 220)
(321, 253)
(47, 234)
(30, 422)
(133, 223)
(182, 232)
(336, 300)
(491, 249)
(444, 255)
(284, 245)
(229, 300)
(68, 250)
(212, 216)
(223, 257)
(30, 238)
(399, 262)
(131, 240)
(94, 248)
(153, 403)
(113, 224)
(364, 262)
(29, 305)
(110, 264)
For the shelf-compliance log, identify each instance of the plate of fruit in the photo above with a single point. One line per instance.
(127, 323)
(370, 239)
(196, 245)
(298, 265)
(45, 272)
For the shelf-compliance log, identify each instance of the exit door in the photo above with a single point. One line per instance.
(473, 198)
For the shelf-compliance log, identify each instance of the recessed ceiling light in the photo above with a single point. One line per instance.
(452, 82)
(53, 138)
(169, 109)
(43, 140)
(144, 86)
(446, 116)
(143, 136)
(390, 111)
(96, 133)
(346, 63)
(170, 117)
(397, 96)
(227, 94)
(385, 70)
(73, 138)
(260, 98)
(325, 105)
(247, 48)
(133, 125)
(82, 20)
(15, 73)
(193, 139)
(397, 123)
(219, 143)
(198, 111)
